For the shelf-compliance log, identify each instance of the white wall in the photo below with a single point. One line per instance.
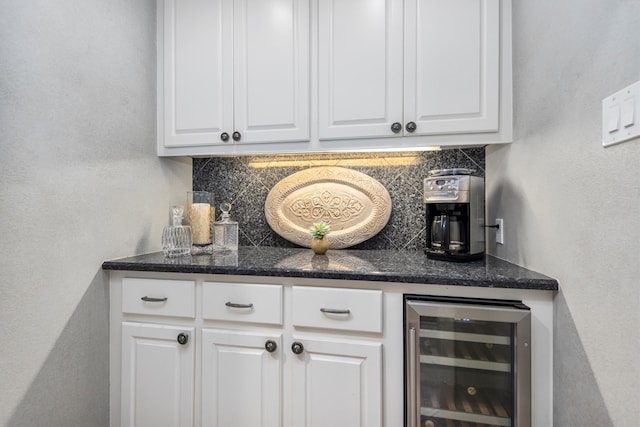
(572, 207)
(79, 184)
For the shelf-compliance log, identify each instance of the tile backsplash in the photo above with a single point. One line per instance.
(245, 182)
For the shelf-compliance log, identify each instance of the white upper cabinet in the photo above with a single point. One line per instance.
(268, 76)
(414, 67)
(196, 77)
(452, 87)
(232, 72)
(359, 67)
(271, 70)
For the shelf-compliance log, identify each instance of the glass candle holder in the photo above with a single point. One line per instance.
(200, 214)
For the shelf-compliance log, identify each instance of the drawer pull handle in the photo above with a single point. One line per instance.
(236, 305)
(335, 311)
(151, 299)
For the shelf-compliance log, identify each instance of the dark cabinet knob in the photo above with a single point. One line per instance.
(297, 347)
(183, 338)
(236, 136)
(224, 136)
(271, 346)
(411, 127)
(396, 127)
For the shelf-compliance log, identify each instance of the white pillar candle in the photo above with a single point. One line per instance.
(199, 218)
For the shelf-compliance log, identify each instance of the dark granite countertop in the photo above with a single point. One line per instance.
(373, 265)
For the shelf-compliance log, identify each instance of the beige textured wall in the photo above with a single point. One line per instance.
(572, 207)
(79, 183)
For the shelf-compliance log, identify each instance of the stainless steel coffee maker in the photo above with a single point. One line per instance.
(454, 200)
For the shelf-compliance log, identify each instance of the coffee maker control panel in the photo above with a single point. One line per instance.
(440, 184)
(446, 189)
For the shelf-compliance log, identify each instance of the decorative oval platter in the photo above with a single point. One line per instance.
(355, 205)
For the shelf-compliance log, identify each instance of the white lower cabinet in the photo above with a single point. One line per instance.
(236, 351)
(157, 375)
(241, 378)
(336, 380)
(243, 356)
(332, 383)
(337, 384)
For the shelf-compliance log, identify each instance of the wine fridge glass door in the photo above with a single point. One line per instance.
(467, 363)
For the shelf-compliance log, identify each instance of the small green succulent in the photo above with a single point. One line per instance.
(320, 229)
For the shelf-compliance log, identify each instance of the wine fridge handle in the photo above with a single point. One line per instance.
(413, 395)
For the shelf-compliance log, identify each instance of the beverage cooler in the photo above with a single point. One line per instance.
(467, 362)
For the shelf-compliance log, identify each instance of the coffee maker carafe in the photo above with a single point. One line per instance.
(454, 201)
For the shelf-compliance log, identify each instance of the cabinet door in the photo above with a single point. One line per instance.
(271, 70)
(157, 376)
(359, 68)
(452, 60)
(337, 384)
(241, 380)
(195, 77)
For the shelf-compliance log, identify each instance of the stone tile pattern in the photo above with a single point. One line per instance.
(245, 182)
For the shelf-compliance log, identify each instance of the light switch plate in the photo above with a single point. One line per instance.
(621, 115)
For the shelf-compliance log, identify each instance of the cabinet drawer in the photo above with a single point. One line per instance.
(242, 302)
(159, 297)
(333, 308)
